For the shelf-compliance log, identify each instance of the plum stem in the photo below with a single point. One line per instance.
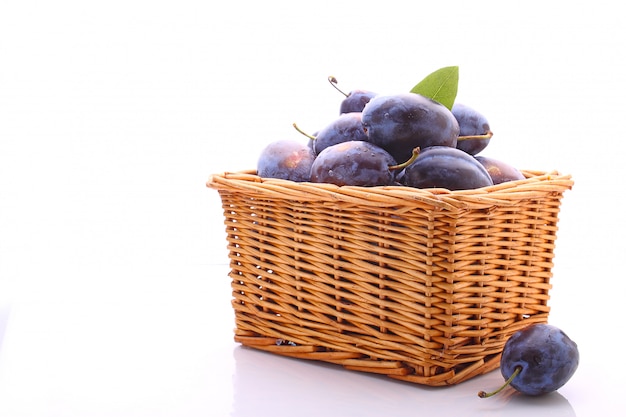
(487, 135)
(483, 394)
(333, 81)
(303, 132)
(414, 155)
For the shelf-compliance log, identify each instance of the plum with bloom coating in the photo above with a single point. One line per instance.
(446, 167)
(344, 128)
(355, 100)
(354, 163)
(500, 171)
(402, 122)
(286, 159)
(537, 360)
(475, 133)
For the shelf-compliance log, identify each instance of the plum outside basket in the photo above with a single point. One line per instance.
(423, 286)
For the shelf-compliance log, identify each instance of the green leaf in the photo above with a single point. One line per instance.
(441, 85)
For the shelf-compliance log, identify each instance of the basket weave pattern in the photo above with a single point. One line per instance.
(420, 285)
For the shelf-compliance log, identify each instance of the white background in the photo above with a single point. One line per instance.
(114, 296)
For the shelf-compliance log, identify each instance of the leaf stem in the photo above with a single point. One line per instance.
(303, 132)
(487, 135)
(414, 155)
(333, 81)
(483, 394)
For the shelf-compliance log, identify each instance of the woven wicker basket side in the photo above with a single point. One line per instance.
(419, 285)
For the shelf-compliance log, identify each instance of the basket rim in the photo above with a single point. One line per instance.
(537, 184)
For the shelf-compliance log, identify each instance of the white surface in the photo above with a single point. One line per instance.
(114, 296)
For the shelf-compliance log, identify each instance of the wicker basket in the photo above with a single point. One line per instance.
(421, 285)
